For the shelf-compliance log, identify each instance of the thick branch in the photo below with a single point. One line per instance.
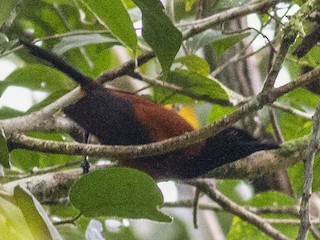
(264, 162)
(49, 187)
(34, 121)
(247, 168)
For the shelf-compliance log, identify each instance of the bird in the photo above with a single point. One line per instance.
(115, 117)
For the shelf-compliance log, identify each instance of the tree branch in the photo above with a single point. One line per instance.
(312, 149)
(205, 23)
(264, 162)
(260, 163)
(236, 209)
(294, 210)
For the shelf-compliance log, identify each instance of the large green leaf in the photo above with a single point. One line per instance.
(76, 41)
(115, 17)
(219, 41)
(242, 230)
(193, 83)
(271, 198)
(195, 64)
(217, 112)
(159, 32)
(118, 192)
(293, 126)
(26, 160)
(39, 77)
(22, 217)
(302, 99)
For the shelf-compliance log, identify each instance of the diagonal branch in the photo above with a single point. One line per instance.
(205, 23)
(182, 141)
(236, 209)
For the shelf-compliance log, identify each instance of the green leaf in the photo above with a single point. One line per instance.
(5, 44)
(298, 2)
(159, 32)
(226, 41)
(293, 126)
(194, 83)
(229, 188)
(189, 4)
(243, 230)
(195, 64)
(6, 112)
(71, 232)
(118, 192)
(296, 173)
(116, 18)
(26, 160)
(7, 6)
(71, 42)
(203, 39)
(271, 198)
(217, 112)
(220, 42)
(22, 217)
(39, 77)
(302, 99)
(4, 152)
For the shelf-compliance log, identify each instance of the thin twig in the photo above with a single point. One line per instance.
(292, 110)
(195, 208)
(68, 221)
(234, 59)
(205, 23)
(39, 171)
(275, 126)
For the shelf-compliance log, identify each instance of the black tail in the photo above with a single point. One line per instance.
(58, 63)
(233, 144)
